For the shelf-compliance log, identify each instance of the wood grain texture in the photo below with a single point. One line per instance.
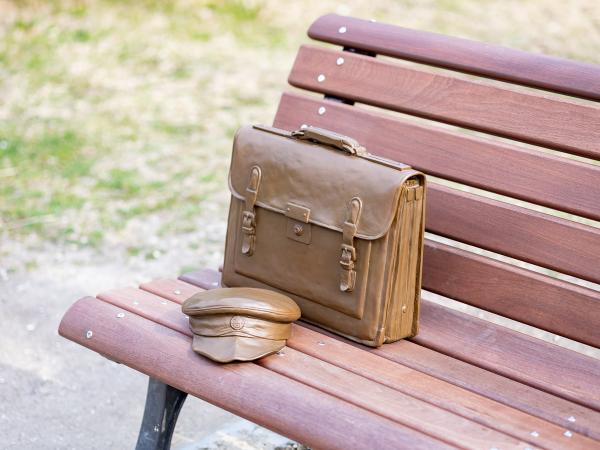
(253, 392)
(555, 123)
(427, 388)
(369, 395)
(478, 58)
(424, 387)
(565, 373)
(529, 175)
(491, 385)
(376, 384)
(530, 236)
(470, 377)
(528, 297)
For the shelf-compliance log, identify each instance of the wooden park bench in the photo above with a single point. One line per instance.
(463, 381)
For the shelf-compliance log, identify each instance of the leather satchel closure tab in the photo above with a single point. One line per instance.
(249, 214)
(348, 257)
(297, 212)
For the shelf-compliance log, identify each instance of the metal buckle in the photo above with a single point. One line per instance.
(248, 222)
(348, 257)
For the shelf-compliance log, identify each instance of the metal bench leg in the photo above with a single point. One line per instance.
(163, 403)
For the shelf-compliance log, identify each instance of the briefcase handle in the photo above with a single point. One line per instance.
(327, 137)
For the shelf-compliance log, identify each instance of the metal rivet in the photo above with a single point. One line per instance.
(321, 78)
(571, 419)
(322, 110)
(164, 302)
(567, 434)
(177, 292)
(339, 61)
(404, 308)
(120, 315)
(302, 127)
(342, 30)
(535, 433)
(89, 334)
(321, 343)
(156, 429)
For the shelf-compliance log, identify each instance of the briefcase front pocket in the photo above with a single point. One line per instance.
(300, 258)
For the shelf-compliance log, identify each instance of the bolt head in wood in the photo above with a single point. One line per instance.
(321, 110)
(321, 78)
(339, 61)
(89, 334)
(120, 315)
(177, 292)
(342, 30)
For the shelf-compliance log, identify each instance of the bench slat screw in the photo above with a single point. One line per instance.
(339, 61)
(120, 315)
(321, 78)
(535, 433)
(321, 343)
(321, 110)
(89, 334)
(571, 419)
(177, 292)
(567, 434)
(342, 30)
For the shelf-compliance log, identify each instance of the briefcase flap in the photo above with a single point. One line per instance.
(314, 183)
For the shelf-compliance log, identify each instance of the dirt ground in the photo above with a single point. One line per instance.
(55, 394)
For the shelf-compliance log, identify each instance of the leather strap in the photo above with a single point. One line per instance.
(249, 214)
(348, 258)
(245, 326)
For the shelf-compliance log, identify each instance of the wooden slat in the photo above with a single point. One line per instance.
(510, 291)
(534, 237)
(533, 118)
(378, 392)
(459, 373)
(253, 392)
(548, 367)
(528, 175)
(424, 387)
(480, 409)
(340, 383)
(494, 386)
(478, 58)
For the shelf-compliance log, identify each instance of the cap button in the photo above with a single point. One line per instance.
(237, 322)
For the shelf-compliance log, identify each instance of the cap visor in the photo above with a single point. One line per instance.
(235, 348)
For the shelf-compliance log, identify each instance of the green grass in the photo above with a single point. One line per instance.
(115, 112)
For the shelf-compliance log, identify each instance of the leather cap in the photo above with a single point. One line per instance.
(240, 323)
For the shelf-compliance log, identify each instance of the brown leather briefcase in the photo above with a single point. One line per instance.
(314, 216)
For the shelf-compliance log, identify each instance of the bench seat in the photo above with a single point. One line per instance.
(328, 392)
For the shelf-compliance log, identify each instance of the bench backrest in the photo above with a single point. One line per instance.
(494, 151)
